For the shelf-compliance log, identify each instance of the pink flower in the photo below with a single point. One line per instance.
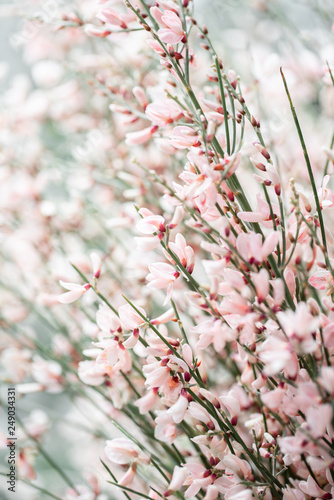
(121, 451)
(184, 137)
(165, 429)
(112, 17)
(238, 466)
(326, 197)
(318, 419)
(261, 283)
(252, 249)
(156, 373)
(107, 320)
(273, 399)
(147, 402)
(300, 326)
(75, 292)
(96, 263)
(140, 95)
(278, 355)
(129, 318)
(164, 318)
(184, 253)
(148, 243)
(141, 136)
(177, 217)
(156, 46)
(91, 373)
(262, 215)
(292, 494)
(92, 30)
(150, 223)
(198, 478)
(311, 488)
(321, 280)
(163, 112)
(162, 275)
(113, 354)
(199, 413)
(129, 476)
(178, 410)
(172, 31)
(177, 481)
(232, 404)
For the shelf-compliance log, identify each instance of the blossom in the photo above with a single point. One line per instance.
(121, 451)
(130, 318)
(112, 17)
(252, 249)
(163, 112)
(75, 292)
(162, 275)
(184, 137)
(172, 31)
(326, 197)
(178, 410)
(263, 214)
(141, 136)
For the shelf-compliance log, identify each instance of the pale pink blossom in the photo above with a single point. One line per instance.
(237, 466)
(199, 413)
(91, 373)
(162, 275)
(261, 283)
(75, 292)
(300, 326)
(107, 320)
(156, 373)
(165, 429)
(147, 243)
(263, 214)
(140, 95)
(147, 402)
(129, 476)
(184, 137)
(292, 494)
(129, 318)
(318, 419)
(311, 488)
(172, 31)
(252, 249)
(321, 280)
(141, 136)
(121, 451)
(96, 31)
(177, 217)
(163, 112)
(198, 478)
(113, 354)
(112, 17)
(178, 410)
(164, 318)
(232, 404)
(96, 263)
(177, 481)
(150, 223)
(184, 253)
(278, 355)
(326, 196)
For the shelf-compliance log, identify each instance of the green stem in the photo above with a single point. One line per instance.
(307, 161)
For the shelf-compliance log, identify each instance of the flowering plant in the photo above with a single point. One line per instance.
(190, 340)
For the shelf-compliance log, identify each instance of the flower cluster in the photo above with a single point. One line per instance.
(195, 332)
